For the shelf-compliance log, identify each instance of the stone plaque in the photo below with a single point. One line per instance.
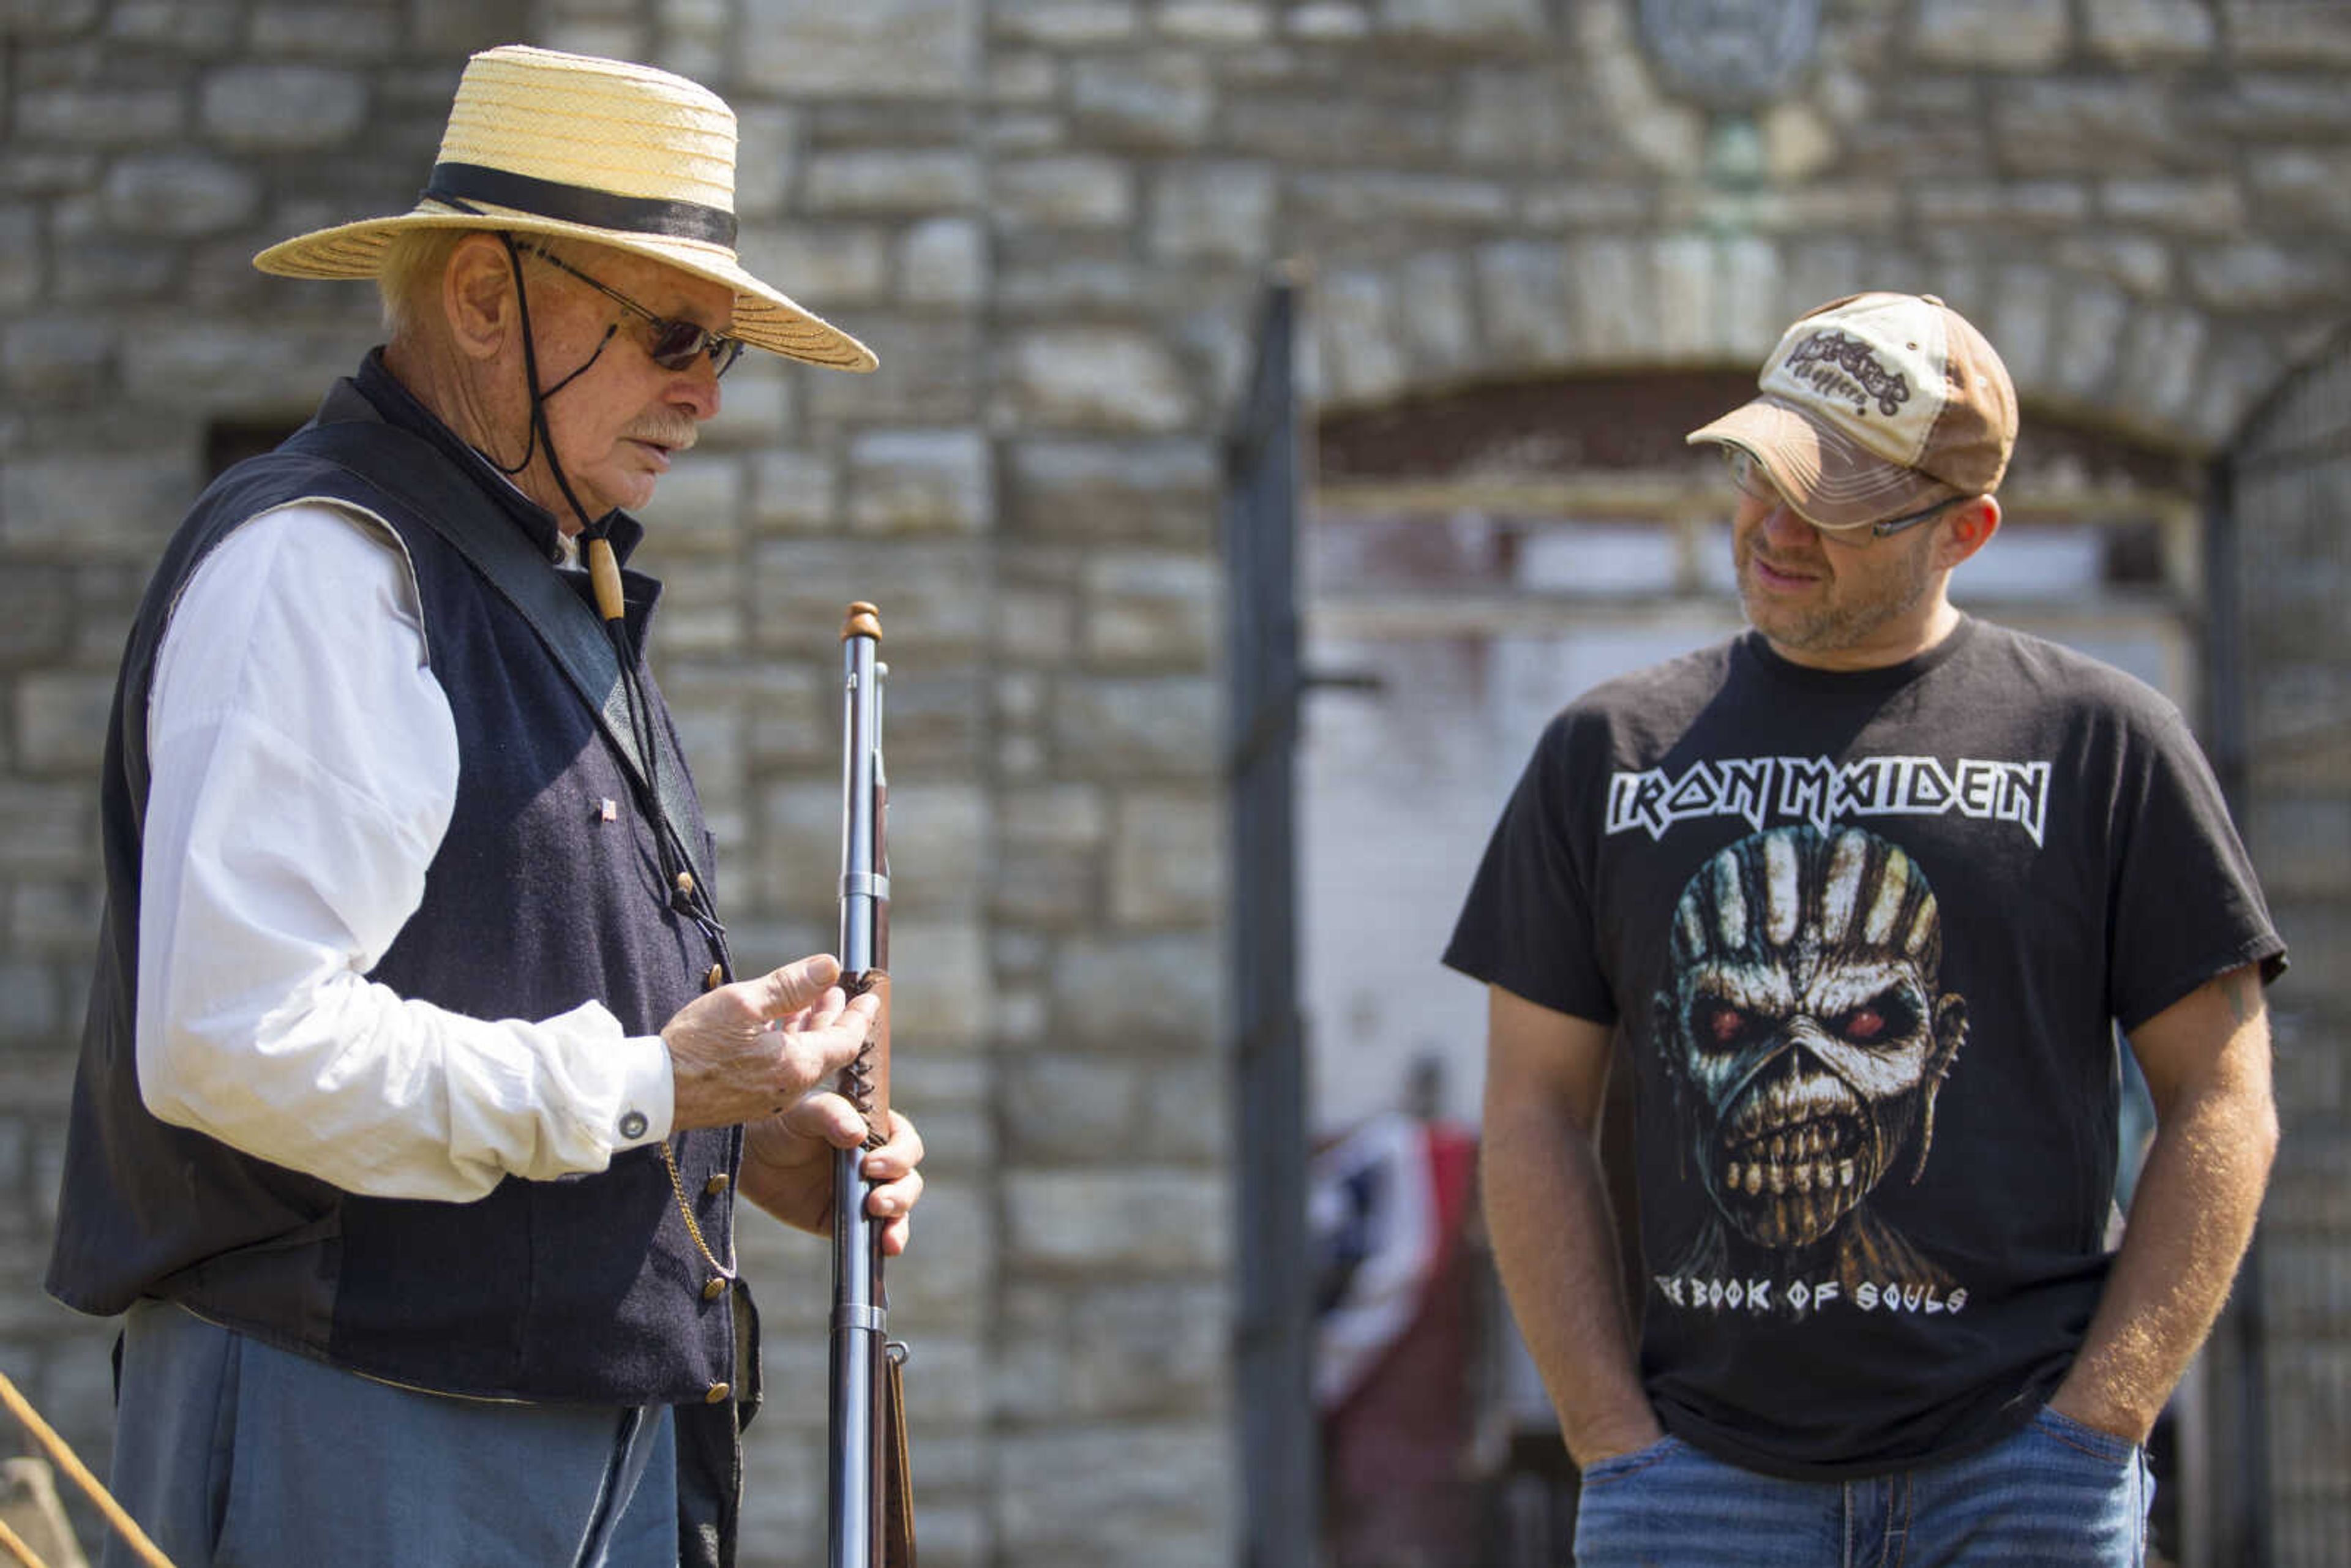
(1731, 55)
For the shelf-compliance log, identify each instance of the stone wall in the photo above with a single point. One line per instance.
(1051, 218)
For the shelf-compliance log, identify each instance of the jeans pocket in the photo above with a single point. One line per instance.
(2109, 1447)
(1616, 1467)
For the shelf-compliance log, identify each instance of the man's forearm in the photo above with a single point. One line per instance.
(1554, 1243)
(2190, 1221)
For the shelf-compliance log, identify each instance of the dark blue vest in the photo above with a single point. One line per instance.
(583, 1290)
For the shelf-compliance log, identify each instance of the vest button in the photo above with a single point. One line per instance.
(715, 979)
(716, 1394)
(685, 884)
(715, 1288)
(716, 1185)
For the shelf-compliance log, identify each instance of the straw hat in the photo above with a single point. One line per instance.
(597, 150)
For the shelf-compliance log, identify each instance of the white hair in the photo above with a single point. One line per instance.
(409, 277)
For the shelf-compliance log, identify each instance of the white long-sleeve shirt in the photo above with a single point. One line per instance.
(303, 770)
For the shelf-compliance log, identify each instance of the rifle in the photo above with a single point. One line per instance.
(871, 1522)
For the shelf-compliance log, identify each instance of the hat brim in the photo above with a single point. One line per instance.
(765, 317)
(1830, 480)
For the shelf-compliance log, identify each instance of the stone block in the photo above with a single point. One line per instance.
(179, 194)
(1168, 860)
(117, 504)
(1464, 21)
(1066, 191)
(1137, 726)
(281, 107)
(2291, 36)
(1043, 888)
(20, 255)
(42, 19)
(1053, 816)
(1436, 323)
(31, 1010)
(2255, 274)
(943, 261)
(1520, 119)
(1413, 202)
(1329, 21)
(1097, 378)
(953, 1010)
(1022, 78)
(1063, 1107)
(61, 721)
(1100, 1221)
(2133, 262)
(1108, 1351)
(922, 182)
(272, 370)
(1353, 322)
(877, 48)
(1155, 609)
(1308, 131)
(36, 615)
(1034, 628)
(796, 492)
(822, 266)
(1584, 204)
(1213, 22)
(2073, 125)
(1990, 35)
(2139, 33)
(2294, 187)
(1152, 993)
(359, 30)
(56, 356)
(100, 117)
(921, 481)
(1162, 101)
(1212, 212)
(103, 272)
(696, 507)
(1140, 1496)
(931, 370)
(2212, 208)
(1523, 290)
(47, 828)
(929, 613)
(1063, 23)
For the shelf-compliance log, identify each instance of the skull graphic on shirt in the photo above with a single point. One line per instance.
(1803, 1028)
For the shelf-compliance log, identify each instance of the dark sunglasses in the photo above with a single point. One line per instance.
(1748, 474)
(675, 343)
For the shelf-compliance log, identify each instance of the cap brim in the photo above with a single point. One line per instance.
(1826, 476)
(765, 317)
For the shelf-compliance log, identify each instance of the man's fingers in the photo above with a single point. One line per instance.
(780, 992)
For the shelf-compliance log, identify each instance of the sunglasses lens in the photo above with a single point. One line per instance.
(724, 352)
(675, 343)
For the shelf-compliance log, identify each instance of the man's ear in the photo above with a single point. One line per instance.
(477, 296)
(1967, 529)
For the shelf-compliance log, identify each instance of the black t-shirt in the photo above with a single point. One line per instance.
(1866, 936)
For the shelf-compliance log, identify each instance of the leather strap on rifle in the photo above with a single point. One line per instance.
(868, 1085)
(897, 1478)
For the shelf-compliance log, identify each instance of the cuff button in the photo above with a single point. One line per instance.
(633, 1124)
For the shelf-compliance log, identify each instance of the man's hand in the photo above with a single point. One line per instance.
(788, 1166)
(750, 1051)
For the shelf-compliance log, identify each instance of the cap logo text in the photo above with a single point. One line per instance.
(1836, 366)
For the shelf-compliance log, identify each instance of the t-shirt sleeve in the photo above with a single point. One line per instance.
(1527, 924)
(2186, 905)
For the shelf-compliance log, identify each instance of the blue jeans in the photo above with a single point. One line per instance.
(233, 1454)
(2058, 1492)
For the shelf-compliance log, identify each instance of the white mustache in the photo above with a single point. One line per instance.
(676, 437)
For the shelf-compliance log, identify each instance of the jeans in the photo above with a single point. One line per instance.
(2057, 1492)
(233, 1454)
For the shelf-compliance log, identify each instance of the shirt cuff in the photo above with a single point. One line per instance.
(645, 1103)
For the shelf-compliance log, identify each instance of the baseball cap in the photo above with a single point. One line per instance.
(1874, 405)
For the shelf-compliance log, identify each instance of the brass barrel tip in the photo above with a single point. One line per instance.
(864, 621)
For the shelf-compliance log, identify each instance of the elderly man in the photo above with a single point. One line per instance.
(1864, 894)
(417, 1087)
